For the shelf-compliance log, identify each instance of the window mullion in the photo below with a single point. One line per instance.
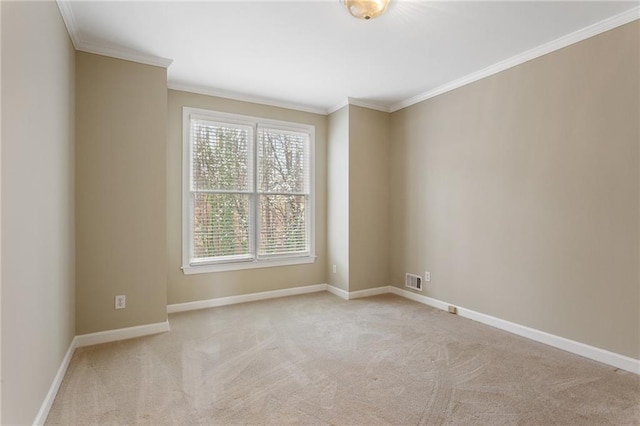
(255, 210)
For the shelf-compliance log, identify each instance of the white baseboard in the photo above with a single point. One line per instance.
(121, 334)
(434, 303)
(41, 417)
(591, 352)
(88, 340)
(368, 292)
(606, 357)
(338, 292)
(350, 295)
(252, 297)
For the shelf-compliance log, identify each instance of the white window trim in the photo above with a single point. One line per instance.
(189, 267)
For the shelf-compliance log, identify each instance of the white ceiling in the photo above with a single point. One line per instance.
(314, 55)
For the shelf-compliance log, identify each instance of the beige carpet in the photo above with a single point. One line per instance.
(317, 359)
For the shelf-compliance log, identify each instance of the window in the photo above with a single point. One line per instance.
(247, 192)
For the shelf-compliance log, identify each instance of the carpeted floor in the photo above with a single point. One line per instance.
(317, 359)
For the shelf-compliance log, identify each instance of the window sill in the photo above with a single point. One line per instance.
(238, 266)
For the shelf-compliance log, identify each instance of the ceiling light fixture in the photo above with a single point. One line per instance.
(366, 9)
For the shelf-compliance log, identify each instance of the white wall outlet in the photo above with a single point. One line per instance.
(427, 276)
(335, 269)
(121, 301)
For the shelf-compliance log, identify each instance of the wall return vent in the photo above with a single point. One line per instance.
(413, 281)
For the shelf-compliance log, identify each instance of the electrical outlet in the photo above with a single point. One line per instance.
(335, 269)
(121, 301)
(427, 276)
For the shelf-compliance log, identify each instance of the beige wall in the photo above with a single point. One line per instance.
(120, 192)
(368, 198)
(186, 288)
(338, 199)
(37, 204)
(520, 193)
(358, 206)
(0, 216)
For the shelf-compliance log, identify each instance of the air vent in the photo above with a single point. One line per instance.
(413, 281)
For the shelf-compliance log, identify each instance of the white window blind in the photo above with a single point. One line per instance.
(248, 191)
(221, 185)
(283, 186)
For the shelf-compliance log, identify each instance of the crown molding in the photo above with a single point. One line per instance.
(69, 21)
(358, 102)
(202, 90)
(592, 30)
(127, 55)
(337, 107)
(557, 44)
(79, 44)
(367, 104)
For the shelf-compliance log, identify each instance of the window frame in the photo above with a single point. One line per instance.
(206, 266)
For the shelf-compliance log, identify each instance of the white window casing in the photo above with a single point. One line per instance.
(247, 194)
